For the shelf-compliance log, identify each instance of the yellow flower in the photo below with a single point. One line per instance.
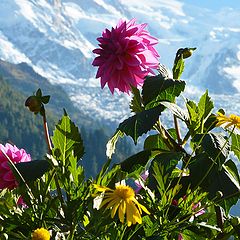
(232, 120)
(122, 199)
(41, 234)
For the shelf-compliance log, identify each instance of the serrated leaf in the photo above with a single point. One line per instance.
(235, 147)
(205, 106)
(136, 102)
(140, 123)
(161, 169)
(216, 180)
(140, 159)
(155, 141)
(67, 140)
(231, 168)
(177, 111)
(32, 170)
(111, 144)
(214, 144)
(192, 111)
(157, 89)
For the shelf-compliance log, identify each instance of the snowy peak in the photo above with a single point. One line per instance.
(56, 37)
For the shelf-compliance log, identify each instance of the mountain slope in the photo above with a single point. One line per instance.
(22, 128)
(57, 37)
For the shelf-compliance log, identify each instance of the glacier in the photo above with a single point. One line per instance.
(56, 38)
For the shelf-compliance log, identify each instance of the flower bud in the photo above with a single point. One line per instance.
(34, 104)
(187, 52)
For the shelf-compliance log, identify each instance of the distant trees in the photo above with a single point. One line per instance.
(18, 126)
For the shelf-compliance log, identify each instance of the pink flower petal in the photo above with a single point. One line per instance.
(7, 179)
(126, 56)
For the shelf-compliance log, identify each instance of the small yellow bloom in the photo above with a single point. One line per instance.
(41, 234)
(122, 199)
(232, 120)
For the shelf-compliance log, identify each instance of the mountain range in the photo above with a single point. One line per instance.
(56, 38)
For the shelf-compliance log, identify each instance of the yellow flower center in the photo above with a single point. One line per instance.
(41, 234)
(124, 192)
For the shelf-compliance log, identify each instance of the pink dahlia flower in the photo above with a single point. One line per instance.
(126, 56)
(7, 179)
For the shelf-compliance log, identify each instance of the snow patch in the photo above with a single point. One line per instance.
(9, 53)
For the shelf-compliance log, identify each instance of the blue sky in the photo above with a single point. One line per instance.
(215, 4)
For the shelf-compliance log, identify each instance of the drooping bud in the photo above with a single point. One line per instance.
(187, 52)
(34, 104)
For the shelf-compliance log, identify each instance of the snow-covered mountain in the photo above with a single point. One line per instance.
(56, 37)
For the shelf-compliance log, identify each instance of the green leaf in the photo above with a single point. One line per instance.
(155, 142)
(221, 180)
(232, 169)
(215, 145)
(200, 115)
(139, 159)
(67, 140)
(161, 169)
(235, 147)
(177, 111)
(205, 106)
(140, 123)
(136, 102)
(76, 171)
(192, 110)
(32, 170)
(158, 88)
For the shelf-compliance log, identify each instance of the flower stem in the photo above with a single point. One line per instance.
(177, 129)
(49, 144)
(46, 132)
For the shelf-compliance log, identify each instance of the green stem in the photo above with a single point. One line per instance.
(123, 232)
(169, 141)
(49, 144)
(177, 130)
(185, 139)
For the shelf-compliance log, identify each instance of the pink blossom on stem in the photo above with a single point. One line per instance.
(7, 179)
(126, 56)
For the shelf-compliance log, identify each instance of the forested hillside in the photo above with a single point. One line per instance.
(24, 129)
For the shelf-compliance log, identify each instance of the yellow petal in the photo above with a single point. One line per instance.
(105, 201)
(141, 207)
(102, 188)
(122, 211)
(129, 214)
(114, 209)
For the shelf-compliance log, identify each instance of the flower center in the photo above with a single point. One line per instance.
(124, 192)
